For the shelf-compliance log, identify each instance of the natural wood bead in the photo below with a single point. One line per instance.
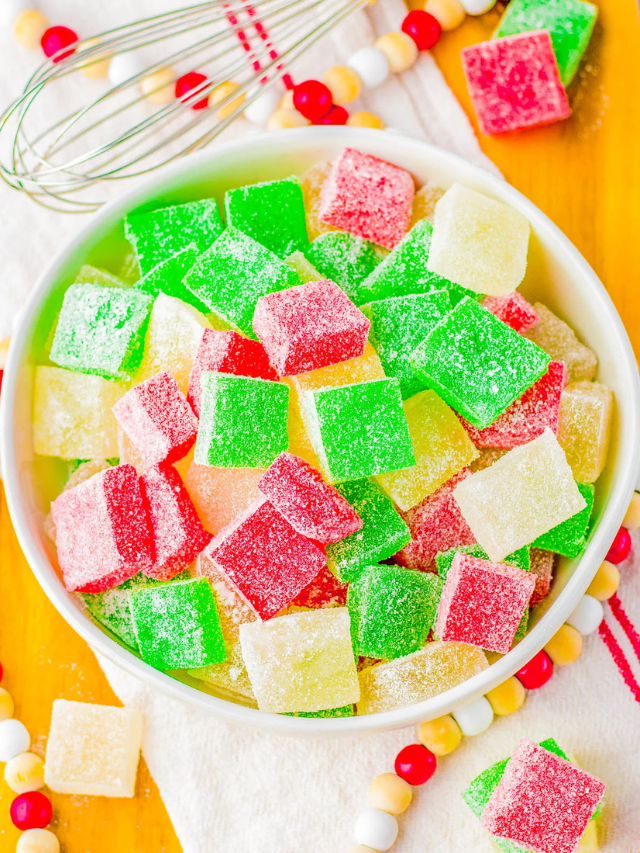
(159, 86)
(344, 84)
(390, 794)
(283, 119)
(565, 646)
(400, 49)
(450, 13)
(286, 101)
(605, 582)
(507, 697)
(632, 518)
(29, 27)
(223, 91)
(441, 736)
(363, 118)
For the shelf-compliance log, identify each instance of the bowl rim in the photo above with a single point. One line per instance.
(613, 513)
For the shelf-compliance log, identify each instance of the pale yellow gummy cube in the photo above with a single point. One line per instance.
(301, 662)
(299, 439)
(584, 428)
(305, 269)
(559, 341)
(441, 447)
(93, 749)
(311, 183)
(220, 494)
(426, 673)
(92, 275)
(478, 243)
(424, 203)
(524, 494)
(72, 415)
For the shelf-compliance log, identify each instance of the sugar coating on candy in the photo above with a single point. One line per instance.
(309, 326)
(93, 750)
(542, 566)
(325, 590)
(167, 278)
(243, 421)
(301, 662)
(419, 676)
(346, 259)
(521, 559)
(102, 531)
(487, 456)
(441, 446)
(513, 309)
(220, 494)
(311, 182)
(271, 212)
(368, 197)
(424, 202)
(267, 561)
(477, 364)
(584, 429)
(569, 538)
(359, 430)
(528, 417)
(521, 496)
(303, 268)
(392, 610)
(383, 531)
(559, 340)
(160, 234)
(72, 415)
(236, 258)
(313, 508)
(514, 83)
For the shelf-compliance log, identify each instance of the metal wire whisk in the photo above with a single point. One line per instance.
(61, 161)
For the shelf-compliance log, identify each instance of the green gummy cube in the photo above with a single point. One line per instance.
(342, 711)
(568, 539)
(243, 421)
(398, 325)
(359, 430)
(382, 535)
(476, 363)
(157, 235)
(177, 625)
(101, 330)
(233, 274)
(520, 559)
(570, 24)
(272, 213)
(346, 259)
(167, 278)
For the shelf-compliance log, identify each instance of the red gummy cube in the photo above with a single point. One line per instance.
(513, 309)
(368, 197)
(436, 524)
(514, 82)
(102, 531)
(527, 418)
(483, 603)
(228, 352)
(542, 802)
(178, 535)
(267, 561)
(309, 326)
(312, 507)
(158, 419)
(325, 590)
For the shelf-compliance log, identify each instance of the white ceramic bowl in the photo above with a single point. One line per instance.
(557, 275)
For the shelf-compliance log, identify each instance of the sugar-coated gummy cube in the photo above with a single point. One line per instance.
(584, 428)
(177, 625)
(167, 278)
(514, 83)
(267, 561)
(488, 455)
(228, 352)
(521, 496)
(301, 662)
(234, 259)
(158, 235)
(102, 531)
(419, 676)
(93, 750)
(359, 430)
(392, 610)
(383, 530)
(570, 23)
(558, 339)
(342, 711)
(303, 268)
(220, 494)
(299, 439)
(513, 309)
(325, 590)
(129, 269)
(521, 558)
(243, 421)
(72, 415)
(542, 566)
(368, 197)
(88, 274)
(346, 259)
(311, 182)
(312, 507)
(309, 326)
(568, 539)
(477, 364)
(424, 202)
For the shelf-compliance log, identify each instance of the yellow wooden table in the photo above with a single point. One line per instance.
(584, 173)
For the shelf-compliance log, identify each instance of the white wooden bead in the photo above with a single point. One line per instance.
(475, 717)
(123, 66)
(375, 828)
(587, 616)
(371, 65)
(38, 841)
(477, 7)
(14, 739)
(260, 111)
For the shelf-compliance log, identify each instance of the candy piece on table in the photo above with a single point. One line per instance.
(374, 826)
(103, 535)
(486, 457)
(7, 706)
(444, 560)
(325, 590)
(24, 773)
(371, 66)
(475, 717)
(92, 749)
(220, 494)
(88, 274)
(587, 615)
(426, 198)
(559, 340)
(531, 490)
(419, 676)
(301, 662)
(565, 646)
(383, 530)
(569, 538)
(72, 415)
(311, 182)
(507, 697)
(605, 582)
(344, 258)
(441, 448)
(167, 278)
(368, 197)
(449, 13)
(584, 428)
(542, 565)
(441, 736)
(537, 672)
(309, 326)
(513, 309)
(37, 841)
(14, 739)
(391, 794)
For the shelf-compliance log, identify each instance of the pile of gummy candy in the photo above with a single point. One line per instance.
(323, 454)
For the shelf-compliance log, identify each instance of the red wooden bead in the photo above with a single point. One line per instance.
(620, 547)
(537, 672)
(57, 38)
(336, 115)
(192, 80)
(312, 99)
(1, 669)
(31, 811)
(423, 28)
(415, 764)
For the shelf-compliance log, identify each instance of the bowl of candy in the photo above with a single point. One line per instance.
(325, 432)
